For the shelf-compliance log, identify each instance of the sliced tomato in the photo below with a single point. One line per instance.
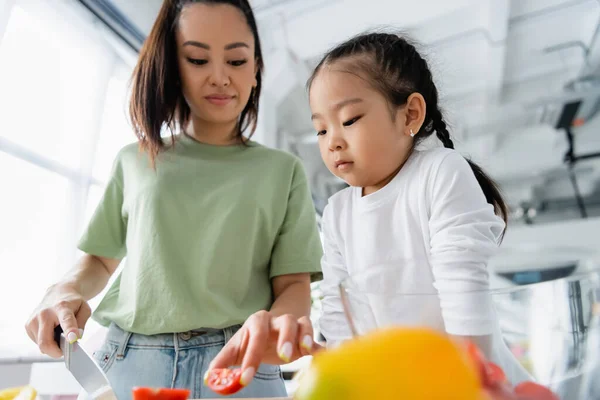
(224, 380)
(534, 391)
(479, 360)
(146, 393)
(490, 374)
(495, 374)
(500, 392)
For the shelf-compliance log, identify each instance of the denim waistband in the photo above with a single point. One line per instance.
(181, 340)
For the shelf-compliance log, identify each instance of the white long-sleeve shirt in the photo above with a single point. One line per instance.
(433, 212)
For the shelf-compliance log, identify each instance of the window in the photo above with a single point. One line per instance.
(63, 112)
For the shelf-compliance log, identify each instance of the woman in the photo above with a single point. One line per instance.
(217, 229)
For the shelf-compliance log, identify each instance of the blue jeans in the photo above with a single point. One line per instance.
(175, 360)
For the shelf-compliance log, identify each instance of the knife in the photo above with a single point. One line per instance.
(83, 368)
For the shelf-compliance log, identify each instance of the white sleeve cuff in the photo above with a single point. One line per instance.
(468, 314)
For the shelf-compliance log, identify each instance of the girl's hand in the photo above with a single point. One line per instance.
(265, 338)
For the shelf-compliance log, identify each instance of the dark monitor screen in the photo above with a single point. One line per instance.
(568, 115)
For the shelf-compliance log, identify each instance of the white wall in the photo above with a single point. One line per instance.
(14, 375)
(579, 232)
(532, 246)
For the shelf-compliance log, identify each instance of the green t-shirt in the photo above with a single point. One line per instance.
(202, 235)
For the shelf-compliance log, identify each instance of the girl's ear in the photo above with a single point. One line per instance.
(414, 113)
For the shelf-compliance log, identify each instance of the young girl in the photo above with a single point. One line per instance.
(217, 229)
(373, 100)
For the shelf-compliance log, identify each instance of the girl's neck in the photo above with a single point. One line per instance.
(367, 190)
(218, 134)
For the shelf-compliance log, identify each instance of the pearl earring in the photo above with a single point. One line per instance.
(412, 134)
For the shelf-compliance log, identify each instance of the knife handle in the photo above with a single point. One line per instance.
(57, 332)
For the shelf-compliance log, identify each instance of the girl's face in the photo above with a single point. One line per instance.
(361, 138)
(215, 52)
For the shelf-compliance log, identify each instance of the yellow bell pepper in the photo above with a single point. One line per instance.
(18, 393)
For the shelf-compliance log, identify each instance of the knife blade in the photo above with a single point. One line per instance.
(83, 368)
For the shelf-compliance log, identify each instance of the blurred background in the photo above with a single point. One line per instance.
(519, 81)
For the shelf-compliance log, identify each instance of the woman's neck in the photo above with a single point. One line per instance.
(219, 134)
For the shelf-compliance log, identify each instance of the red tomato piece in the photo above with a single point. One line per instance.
(224, 380)
(479, 360)
(501, 392)
(495, 374)
(490, 374)
(146, 393)
(534, 391)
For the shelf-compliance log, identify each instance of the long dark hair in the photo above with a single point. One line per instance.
(394, 67)
(157, 101)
